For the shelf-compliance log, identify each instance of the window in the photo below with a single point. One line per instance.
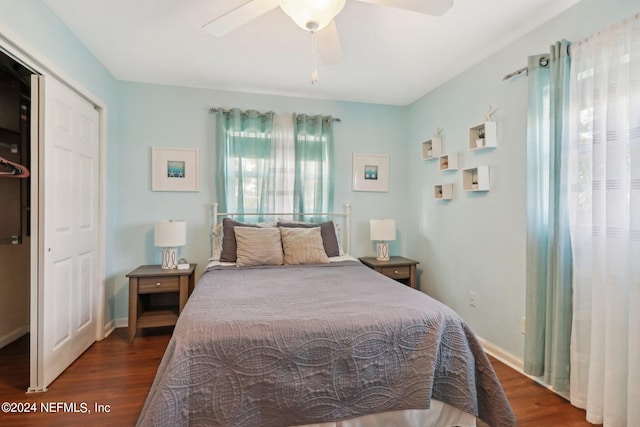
(274, 163)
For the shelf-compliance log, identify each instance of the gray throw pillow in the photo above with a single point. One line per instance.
(229, 246)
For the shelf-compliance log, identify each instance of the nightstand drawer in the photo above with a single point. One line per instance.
(150, 285)
(399, 272)
(396, 267)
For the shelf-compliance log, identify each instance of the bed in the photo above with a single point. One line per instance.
(326, 343)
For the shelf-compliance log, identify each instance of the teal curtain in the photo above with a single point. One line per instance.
(314, 183)
(255, 153)
(549, 263)
(244, 157)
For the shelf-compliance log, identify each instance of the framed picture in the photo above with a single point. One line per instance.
(370, 172)
(174, 169)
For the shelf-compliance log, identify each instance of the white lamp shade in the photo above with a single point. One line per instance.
(312, 14)
(383, 229)
(170, 234)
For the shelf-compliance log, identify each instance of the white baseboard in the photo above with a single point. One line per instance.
(14, 335)
(108, 328)
(516, 363)
(502, 355)
(115, 323)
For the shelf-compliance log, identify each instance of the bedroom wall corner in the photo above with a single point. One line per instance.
(472, 249)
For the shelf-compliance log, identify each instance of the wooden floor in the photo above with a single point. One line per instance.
(117, 375)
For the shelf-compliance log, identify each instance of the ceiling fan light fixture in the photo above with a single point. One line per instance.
(312, 15)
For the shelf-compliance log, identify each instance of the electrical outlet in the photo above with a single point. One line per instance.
(473, 296)
(523, 325)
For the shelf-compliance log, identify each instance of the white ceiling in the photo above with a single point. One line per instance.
(391, 56)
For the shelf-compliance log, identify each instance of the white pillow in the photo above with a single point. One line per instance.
(332, 244)
(303, 246)
(258, 246)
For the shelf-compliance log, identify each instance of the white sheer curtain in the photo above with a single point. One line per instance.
(284, 165)
(605, 218)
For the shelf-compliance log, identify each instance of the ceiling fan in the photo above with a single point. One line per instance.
(315, 16)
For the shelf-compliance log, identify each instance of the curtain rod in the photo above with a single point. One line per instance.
(519, 71)
(214, 109)
(516, 73)
(525, 69)
(12, 147)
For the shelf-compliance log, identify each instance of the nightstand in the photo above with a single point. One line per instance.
(398, 268)
(147, 284)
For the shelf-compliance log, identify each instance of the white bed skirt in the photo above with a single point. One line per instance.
(439, 415)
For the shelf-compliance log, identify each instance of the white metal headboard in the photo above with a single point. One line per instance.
(345, 216)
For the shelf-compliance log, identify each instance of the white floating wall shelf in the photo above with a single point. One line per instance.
(449, 162)
(443, 191)
(483, 136)
(476, 179)
(431, 148)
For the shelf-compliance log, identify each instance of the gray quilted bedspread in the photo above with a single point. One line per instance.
(283, 346)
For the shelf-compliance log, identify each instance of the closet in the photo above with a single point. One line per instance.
(52, 179)
(15, 181)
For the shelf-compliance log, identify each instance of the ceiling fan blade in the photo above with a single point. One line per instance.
(430, 7)
(329, 44)
(239, 16)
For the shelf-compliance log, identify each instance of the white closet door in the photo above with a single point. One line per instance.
(69, 229)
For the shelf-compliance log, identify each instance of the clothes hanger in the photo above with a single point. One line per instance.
(17, 170)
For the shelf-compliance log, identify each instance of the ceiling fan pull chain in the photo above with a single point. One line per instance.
(314, 58)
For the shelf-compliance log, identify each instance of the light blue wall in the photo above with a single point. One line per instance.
(31, 25)
(473, 243)
(170, 116)
(167, 116)
(477, 242)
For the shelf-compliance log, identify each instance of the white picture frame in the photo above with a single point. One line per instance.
(175, 169)
(370, 172)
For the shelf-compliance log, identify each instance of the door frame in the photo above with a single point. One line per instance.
(22, 52)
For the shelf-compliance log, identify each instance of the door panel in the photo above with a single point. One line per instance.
(60, 326)
(69, 148)
(85, 304)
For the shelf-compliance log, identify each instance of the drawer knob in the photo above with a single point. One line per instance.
(396, 272)
(158, 284)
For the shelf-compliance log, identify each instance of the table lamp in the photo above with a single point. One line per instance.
(383, 230)
(169, 235)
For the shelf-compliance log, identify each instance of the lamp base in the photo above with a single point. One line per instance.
(382, 251)
(169, 258)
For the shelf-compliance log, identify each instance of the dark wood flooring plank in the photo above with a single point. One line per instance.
(115, 373)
